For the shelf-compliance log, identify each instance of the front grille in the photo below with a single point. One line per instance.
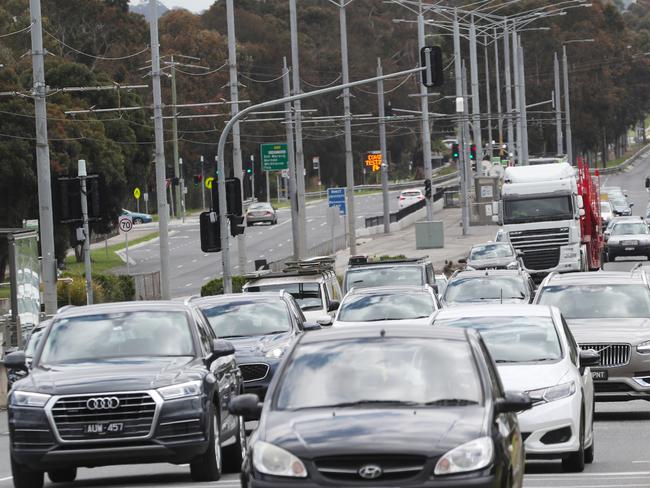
(38, 439)
(254, 371)
(611, 387)
(541, 247)
(610, 354)
(135, 413)
(392, 468)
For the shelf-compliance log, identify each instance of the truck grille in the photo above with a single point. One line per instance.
(541, 259)
(541, 247)
(610, 354)
(391, 468)
(254, 371)
(135, 413)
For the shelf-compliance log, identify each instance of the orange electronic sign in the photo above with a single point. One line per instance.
(373, 160)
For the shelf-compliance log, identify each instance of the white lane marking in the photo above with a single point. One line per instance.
(7, 478)
(288, 240)
(207, 278)
(205, 255)
(309, 221)
(179, 266)
(280, 244)
(323, 224)
(250, 261)
(194, 260)
(583, 475)
(188, 285)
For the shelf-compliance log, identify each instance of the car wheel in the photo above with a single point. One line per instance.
(138, 220)
(62, 475)
(234, 454)
(575, 461)
(207, 467)
(25, 477)
(276, 221)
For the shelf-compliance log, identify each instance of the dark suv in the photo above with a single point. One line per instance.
(125, 383)
(363, 272)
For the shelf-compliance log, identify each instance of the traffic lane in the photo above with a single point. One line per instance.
(621, 458)
(632, 180)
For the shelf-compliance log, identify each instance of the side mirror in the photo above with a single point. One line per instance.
(247, 406)
(631, 203)
(581, 212)
(513, 401)
(462, 261)
(311, 326)
(16, 360)
(333, 306)
(581, 203)
(588, 358)
(221, 348)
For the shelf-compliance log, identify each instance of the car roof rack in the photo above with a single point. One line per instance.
(311, 266)
(366, 261)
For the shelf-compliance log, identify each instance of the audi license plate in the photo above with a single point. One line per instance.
(600, 374)
(630, 243)
(630, 248)
(104, 428)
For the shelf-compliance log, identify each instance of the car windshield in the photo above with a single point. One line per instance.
(411, 193)
(243, 318)
(599, 301)
(382, 370)
(537, 209)
(513, 339)
(259, 206)
(386, 306)
(490, 251)
(629, 228)
(32, 344)
(116, 335)
(307, 295)
(384, 276)
(477, 288)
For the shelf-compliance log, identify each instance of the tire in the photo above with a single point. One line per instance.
(575, 461)
(207, 466)
(138, 220)
(62, 475)
(25, 477)
(611, 258)
(233, 455)
(589, 453)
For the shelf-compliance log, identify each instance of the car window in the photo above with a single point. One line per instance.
(295, 309)
(573, 347)
(490, 251)
(386, 306)
(32, 344)
(204, 336)
(627, 228)
(383, 369)
(307, 295)
(384, 276)
(598, 301)
(411, 194)
(477, 288)
(513, 339)
(116, 335)
(243, 318)
(334, 290)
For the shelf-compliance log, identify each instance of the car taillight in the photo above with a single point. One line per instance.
(401, 198)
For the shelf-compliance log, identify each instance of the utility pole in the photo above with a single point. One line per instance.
(46, 220)
(497, 76)
(299, 154)
(295, 221)
(557, 98)
(234, 109)
(567, 107)
(161, 193)
(349, 163)
(515, 75)
(202, 185)
(522, 94)
(459, 69)
(82, 174)
(252, 178)
(424, 108)
(506, 61)
(177, 175)
(467, 162)
(476, 102)
(488, 100)
(181, 184)
(382, 146)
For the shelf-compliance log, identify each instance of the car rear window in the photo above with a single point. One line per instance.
(384, 276)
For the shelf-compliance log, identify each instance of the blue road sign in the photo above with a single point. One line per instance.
(336, 198)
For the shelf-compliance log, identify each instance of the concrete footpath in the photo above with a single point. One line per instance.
(402, 241)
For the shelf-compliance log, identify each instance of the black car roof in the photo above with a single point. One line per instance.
(141, 306)
(402, 330)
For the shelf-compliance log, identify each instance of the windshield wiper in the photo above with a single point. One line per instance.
(373, 402)
(451, 402)
(232, 336)
(275, 332)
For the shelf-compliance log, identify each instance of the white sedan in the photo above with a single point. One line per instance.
(535, 352)
(409, 197)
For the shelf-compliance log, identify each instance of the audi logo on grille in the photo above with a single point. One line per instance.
(370, 471)
(102, 403)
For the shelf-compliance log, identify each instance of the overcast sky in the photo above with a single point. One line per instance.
(193, 5)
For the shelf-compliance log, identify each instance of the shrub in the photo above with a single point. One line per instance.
(391, 258)
(74, 293)
(117, 288)
(215, 287)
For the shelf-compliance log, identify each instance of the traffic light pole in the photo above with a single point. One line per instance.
(426, 132)
(382, 146)
(83, 174)
(225, 250)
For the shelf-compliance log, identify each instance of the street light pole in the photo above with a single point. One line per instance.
(508, 80)
(426, 132)
(177, 190)
(557, 98)
(382, 145)
(83, 174)
(522, 94)
(517, 84)
(497, 76)
(467, 162)
(567, 107)
(488, 100)
(460, 128)
(295, 220)
(476, 103)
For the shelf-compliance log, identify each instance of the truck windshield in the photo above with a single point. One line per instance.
(537, 209)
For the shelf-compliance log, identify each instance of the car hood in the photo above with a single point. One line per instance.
(526, 377)
(388, 323)
(629, 237)
(123, 374)
(324, 432)
(610, 330)
(259, 345)
(490, 301)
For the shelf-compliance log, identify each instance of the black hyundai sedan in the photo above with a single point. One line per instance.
(385, 406)
(121, 384)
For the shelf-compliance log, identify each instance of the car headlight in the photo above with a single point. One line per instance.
(552, 393)
(473, 455)
(643, 348)
(29, 399)
(275, 461)
(191, 388)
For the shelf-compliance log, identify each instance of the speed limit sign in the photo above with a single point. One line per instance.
(126, 223)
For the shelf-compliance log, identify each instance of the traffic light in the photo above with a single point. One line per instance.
(210, 232)
(197, 180)
(388, 110)
(455, 151)
(236, 225)
(472, 152)
(233, 197)
(427, 188)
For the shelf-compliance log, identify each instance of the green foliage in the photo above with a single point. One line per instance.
(117, 288)
(106, 288)
(386, 257)
(215, 287)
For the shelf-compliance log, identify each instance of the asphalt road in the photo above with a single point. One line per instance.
(191, 268)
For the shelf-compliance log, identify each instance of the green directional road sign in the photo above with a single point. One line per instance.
(275, 157)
